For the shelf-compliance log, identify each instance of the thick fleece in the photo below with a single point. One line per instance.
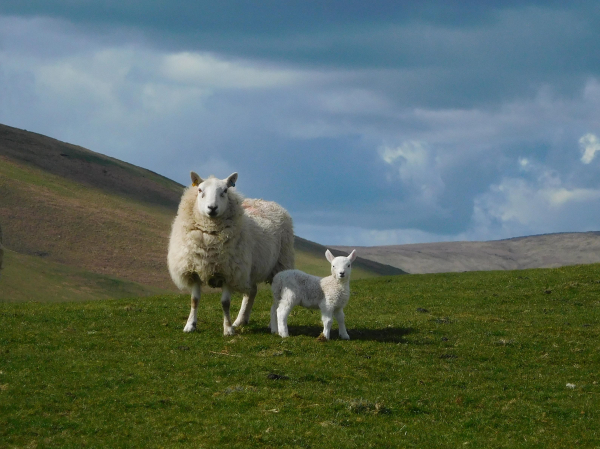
(250, 243)
(329, 294)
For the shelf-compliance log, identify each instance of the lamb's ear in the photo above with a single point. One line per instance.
(352, 255)
(329, 256)
(196, 180)
(232, 179)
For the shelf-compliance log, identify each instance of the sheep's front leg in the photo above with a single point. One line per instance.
(225, 303)
(327, 318)
(190, 326)
(247, 303)
(339, 316)
(273, 324)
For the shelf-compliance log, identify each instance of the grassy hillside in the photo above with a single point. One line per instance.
(33, 278)
(100, 217)
(488, 359)
(59, 220)
(87, 167)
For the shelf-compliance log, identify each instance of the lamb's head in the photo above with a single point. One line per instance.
(341, 266)
(213, 197)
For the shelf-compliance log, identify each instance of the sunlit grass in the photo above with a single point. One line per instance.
(489, 359)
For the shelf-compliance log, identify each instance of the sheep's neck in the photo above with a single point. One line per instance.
(341, 284)
(214, 226)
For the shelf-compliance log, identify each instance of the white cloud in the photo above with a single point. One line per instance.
(357, 236)
(541, 204)
(417, 167)
(589, 146)
(210, 71)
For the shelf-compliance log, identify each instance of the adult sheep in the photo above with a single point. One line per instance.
(222, 240)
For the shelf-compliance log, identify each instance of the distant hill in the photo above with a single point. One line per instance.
(539, 251)
(83, 225)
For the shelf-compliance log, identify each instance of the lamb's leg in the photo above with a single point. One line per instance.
(190, 326)
(244, 313)
(326, 317)
(283, 311)
(225, 303)
(339, 316)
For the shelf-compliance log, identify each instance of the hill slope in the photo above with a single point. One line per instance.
(78, 210)
(539, 251)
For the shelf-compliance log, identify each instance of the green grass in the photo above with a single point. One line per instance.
(448, 360)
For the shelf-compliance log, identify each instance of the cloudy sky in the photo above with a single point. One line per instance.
(373, 123)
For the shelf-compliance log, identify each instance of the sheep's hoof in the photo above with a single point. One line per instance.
(322, 337)
(345, 337)
(228, 332)
(189, 327)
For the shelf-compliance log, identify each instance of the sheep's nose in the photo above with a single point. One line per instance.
(212, 210)
(342, 274)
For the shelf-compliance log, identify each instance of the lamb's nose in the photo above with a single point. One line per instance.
(342, 274)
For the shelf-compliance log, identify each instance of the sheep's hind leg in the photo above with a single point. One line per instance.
(273, 322)
(283, 311)
(247, 303)
(190, 326)
(225, 303)
(339, 316)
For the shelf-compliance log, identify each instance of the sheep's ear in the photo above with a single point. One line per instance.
(352, 255)
(329, 256)
(232, 179)
(196, 180)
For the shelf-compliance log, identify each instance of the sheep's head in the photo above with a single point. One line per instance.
(213, 197)
(341, 266)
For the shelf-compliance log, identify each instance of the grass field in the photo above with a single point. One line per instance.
(486, 359)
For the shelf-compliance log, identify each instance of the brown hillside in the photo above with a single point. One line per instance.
(87, 167)
(55, 218)
(539, 251)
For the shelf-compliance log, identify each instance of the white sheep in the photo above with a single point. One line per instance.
(330, 294)
(222, 240)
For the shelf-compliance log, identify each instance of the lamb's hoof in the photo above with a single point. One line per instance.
(238, 322)
(322, 337)
(228, 332)
(345, 337)
(189, 327)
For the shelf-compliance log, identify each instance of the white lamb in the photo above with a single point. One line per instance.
(330, 294)
(221, 240)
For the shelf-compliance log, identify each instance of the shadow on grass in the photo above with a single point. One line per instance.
(387, 334)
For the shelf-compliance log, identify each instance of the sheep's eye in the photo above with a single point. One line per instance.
(199, 190)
